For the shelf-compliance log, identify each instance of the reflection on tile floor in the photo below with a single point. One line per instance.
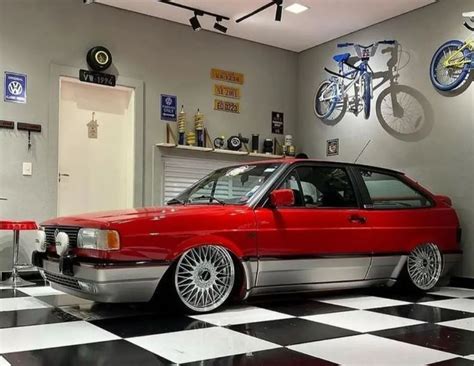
(41, 326)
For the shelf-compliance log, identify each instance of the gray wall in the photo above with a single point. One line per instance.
(168, 57)
(441, 153)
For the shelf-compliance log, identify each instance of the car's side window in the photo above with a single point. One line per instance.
(389, 191)
(326, 187)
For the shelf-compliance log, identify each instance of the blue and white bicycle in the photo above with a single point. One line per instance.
(359, 76)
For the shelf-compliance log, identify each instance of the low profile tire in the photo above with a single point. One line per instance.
(204, 278)
(424, 267)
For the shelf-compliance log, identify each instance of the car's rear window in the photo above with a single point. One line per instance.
(389, 191)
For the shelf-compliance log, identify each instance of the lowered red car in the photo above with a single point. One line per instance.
(258, 228)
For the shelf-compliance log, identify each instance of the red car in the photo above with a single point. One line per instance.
(258, 228)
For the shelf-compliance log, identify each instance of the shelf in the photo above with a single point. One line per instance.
(219, 151)
(268, 156)
(230, 152)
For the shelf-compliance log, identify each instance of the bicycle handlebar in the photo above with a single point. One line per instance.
(340, 45)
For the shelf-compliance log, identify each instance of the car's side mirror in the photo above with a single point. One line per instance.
(282, 198)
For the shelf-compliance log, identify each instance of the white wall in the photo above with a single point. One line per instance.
(441, 154)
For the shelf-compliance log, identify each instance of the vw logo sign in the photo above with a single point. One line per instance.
(168, 101)
(15, 88)
(62, 242)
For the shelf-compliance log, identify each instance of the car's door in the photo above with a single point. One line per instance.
(323, 237)
(401, 217)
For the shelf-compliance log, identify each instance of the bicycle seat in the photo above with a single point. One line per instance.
(343, 57)
(469, 15)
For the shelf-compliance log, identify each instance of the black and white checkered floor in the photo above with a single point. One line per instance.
(42, 326)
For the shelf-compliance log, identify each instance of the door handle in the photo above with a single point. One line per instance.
(357, 219)
(62, 175)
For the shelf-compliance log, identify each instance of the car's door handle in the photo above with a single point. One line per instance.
(357, 219)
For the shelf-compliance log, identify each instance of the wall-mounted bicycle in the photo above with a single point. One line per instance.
(453, 61)
(358, 76)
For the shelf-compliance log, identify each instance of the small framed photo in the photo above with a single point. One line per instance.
(332, 147)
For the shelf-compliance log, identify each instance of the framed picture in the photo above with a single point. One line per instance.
(332, 147)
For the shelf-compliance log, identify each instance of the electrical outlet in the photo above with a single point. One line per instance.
(27, 169)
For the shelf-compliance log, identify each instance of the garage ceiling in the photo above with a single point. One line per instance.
(325, 20)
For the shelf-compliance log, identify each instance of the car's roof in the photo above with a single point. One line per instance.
(290, 161)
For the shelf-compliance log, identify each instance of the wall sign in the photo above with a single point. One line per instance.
(225, 106)
(332, 147)
(9, 125)
(95, 77)
(15, 87)
(277, 123)
(226, 91)
(229, 76)
(168, 107)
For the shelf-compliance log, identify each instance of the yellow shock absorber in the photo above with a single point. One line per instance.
(191, 139)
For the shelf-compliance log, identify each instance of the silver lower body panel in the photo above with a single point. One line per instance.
(301, 271)
(315, 287)
(327, 274)
(122, 284)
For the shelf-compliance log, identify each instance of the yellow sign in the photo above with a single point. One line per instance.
(229, 76)
(225, 106)
(226, 91)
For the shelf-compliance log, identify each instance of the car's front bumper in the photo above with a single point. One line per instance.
(135, 282)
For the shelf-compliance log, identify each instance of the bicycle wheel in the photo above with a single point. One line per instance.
(367, 95)
(447, 78)
(325, 99)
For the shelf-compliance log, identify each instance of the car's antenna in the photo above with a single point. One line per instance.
(362, 151)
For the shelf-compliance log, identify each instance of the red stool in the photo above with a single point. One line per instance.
(16, 226)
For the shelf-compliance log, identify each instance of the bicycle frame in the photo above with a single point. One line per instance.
(355, 77)
(458, 59)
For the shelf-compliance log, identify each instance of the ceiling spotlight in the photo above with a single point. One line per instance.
(195, 23)
(296, 8)
(220, 27)
(278, 11)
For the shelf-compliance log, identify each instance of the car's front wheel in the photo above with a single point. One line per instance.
(424, 266)
(204, 278)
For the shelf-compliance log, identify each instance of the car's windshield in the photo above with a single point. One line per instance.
(232, 185)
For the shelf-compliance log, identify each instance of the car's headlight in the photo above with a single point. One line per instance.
(98, 239)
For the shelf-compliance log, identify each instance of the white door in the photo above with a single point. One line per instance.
(95, 170)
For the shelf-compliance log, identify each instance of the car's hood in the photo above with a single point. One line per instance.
(110, 218)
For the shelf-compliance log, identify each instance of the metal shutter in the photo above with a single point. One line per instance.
(180, 172)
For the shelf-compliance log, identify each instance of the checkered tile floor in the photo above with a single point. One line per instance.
(42, 326)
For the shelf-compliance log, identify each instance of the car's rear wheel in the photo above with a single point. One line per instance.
(204, 278)
(424, 266)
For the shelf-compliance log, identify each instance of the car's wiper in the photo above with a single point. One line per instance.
(176, 201)
(210, 198)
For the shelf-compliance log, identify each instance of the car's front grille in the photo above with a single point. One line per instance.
(71, 231)
(62, 280)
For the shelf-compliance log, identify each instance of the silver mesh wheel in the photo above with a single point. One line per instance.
(424, 266)
(204, 277)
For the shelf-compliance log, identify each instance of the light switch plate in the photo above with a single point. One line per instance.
(27, 169)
